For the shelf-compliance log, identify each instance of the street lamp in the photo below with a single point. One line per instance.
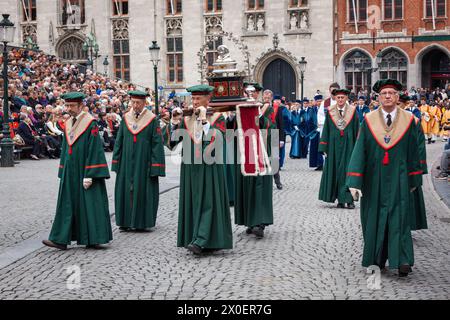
(302, 63)
(90, 46)
(154, 57)
(6, 144)
(105, 65)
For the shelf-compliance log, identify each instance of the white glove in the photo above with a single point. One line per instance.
(201, 114)
(413, 189)
(356, 193)
(325, 154)
(87, 183)
(281, 144)
(296, 128)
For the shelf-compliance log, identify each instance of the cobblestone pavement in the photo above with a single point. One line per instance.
(313, 251)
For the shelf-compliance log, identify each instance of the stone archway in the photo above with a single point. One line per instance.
(279, 77)
(278, 59)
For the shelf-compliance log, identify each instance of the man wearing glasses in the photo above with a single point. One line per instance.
(384, 170)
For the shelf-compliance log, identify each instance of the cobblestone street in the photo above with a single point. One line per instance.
(313, 250)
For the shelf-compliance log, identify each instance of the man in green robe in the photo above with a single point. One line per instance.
(336, 143)
(254, 194)
(418, 212)
(82, 212)
(385, 169)
(204, 222)
(138, 160)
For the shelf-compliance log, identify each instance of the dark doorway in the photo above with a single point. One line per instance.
(435, 69)
(280, 78)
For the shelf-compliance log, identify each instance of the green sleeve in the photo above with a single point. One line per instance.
(62, 159)
(422, 148)
(118, 147)
(324, 138)
(158, 161)
(413, 159)
(96, 166)
(357, 164)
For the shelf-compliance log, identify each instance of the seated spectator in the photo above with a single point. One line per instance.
(29, 136)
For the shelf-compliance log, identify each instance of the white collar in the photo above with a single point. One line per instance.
(393, 113)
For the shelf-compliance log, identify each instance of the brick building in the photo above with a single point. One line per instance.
(408, 40)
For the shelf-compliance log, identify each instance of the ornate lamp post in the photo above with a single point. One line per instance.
(90, 46)
(105, 65)
(6, 144)
(154, 57)
(302, 63)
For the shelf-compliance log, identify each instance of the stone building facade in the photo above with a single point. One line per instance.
(266, 37)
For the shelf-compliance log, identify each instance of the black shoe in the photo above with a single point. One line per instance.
(258, 232)
(248, 231)
(124, 229)
(341, 206)
(194, 248)
(351, 205)
(404, 270)
(319, 168)
(51, 244)
(279, 186)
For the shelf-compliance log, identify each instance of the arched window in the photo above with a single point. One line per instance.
(72, 49)
(357, 67)
(394, 65)
(72, 12)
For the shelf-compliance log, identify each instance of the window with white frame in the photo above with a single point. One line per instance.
(360, 8)
(436, 8)
(393, 9)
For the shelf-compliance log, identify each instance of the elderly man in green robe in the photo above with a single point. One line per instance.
(82, 212)
(138, 160)
(385, 169)
(336, 143)
(204, 222)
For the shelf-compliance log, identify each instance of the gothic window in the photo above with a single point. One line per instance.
(255, 5)
(213, 5)
(174, 7)
(439, 8)
(394, 65)
(120, 7)
(72, 49)
(298, 3)
(29, 10)
(175, 59)
(72, 12)
(121, 49)
(361, 10)
(393, 9)
(357, 74)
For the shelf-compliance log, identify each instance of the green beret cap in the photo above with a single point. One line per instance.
(387, 83)
(73, 96)
(200, 90)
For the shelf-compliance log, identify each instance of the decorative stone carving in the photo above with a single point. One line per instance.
(304, 21)
(293, 21)
(29, 31)
(174, 26)
(120, 29)
(213, 24)
(261, 23)
(250, 23)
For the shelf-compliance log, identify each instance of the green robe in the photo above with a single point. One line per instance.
(82, 215)
(138, 166)
(204, 212)
(419, 217)
(338, 145)
(254, 194)
(385, 173)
